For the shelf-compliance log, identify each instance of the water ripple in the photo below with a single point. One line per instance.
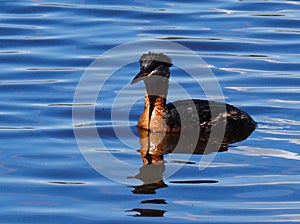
(251, 46)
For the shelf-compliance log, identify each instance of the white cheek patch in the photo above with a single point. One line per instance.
(151, 73)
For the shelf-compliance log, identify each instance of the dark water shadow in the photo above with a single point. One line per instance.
(154, 145)
(147, 212)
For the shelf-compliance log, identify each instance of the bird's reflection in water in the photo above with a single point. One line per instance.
(154, 145)
(147, 212)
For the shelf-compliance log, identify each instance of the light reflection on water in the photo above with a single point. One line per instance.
(253, 49)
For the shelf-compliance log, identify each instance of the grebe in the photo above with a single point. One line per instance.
(174, 117)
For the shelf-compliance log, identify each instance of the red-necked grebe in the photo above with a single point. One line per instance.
(183, 114)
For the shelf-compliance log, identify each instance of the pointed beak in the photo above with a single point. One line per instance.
(138, 77)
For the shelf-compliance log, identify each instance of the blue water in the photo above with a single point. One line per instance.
(46, 46)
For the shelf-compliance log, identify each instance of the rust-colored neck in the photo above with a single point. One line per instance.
(154, 116)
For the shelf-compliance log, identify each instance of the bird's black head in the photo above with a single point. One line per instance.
(153, 64)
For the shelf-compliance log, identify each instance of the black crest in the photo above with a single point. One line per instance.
(156, 57)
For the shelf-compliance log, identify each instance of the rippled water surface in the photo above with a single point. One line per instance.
(252, 47)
